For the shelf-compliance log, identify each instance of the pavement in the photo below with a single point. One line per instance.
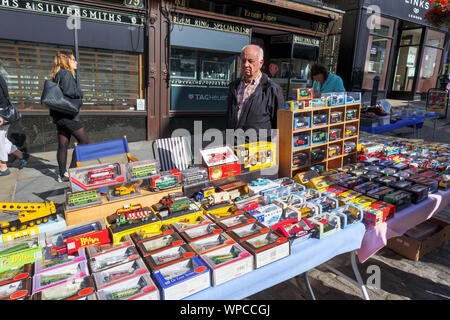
(401, 279)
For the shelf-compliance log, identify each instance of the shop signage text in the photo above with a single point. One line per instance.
(259, 16)
(213, 25)
(411, 10)
(65, 10)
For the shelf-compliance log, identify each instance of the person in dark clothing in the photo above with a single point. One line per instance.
(6, 147)
(254, 99)
(67, 126)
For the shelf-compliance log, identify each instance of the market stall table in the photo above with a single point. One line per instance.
(392, 126)
(304, 256)
(376, 238)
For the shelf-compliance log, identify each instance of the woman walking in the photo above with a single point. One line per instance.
(66, 125)
(6, 147)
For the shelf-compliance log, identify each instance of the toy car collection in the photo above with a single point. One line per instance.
(318, 137)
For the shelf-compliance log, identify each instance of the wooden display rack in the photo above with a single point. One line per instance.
(286, 132)
(107, 208)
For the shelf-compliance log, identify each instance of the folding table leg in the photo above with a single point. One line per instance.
(359, 283)
(308, 285)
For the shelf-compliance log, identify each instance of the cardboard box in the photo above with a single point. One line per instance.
(267, 248)
(141, 287)
(415, 249)
(70, 290)
(169, 256)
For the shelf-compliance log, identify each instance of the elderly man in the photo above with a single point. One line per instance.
(254, 99)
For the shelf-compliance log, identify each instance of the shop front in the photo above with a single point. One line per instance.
(205, 40)
(394, 44)
(111, 49)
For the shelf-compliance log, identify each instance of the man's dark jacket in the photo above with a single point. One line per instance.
(260, 109)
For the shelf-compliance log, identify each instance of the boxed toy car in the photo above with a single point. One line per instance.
(300, 140)
(444, 182)
(258, 185)
(113, 258)
(268, 214)
(373, 217)
(166, 257)
(266, 248)
(318, 137)
(141, 287)
(418, 193)
(310, 194)
(221, 162)
(401, 184)
(304, 177)
(334, 191)
(350, 131)
(59, 275)
(386, 181)
(348, 214)
(81, 199)
(336, 117)
(326, 203)
(350, 182)
(246, 231)
(351, 114)
(387, 209)
(93, 177)
(334, 98)
(363, 201)
(302, 122)
(303, 94)
(325, 224)
(158, 243)
(256, 155)
(250, 203)
(431, 183)
(95, 250)
(19, 252)
(211, 243)
(182, 225)
(235, 189)
(347, 196)
(200, 232)
(335, 134)
(319, 119)
(366, 187)
(73, 289)
(334, 150)
(300, 159)
(228, 263)
(193, 176)
(17, 290)
(352, 97)
(400, 199)
(320, 183)
(142, 169)
(236, 220)
(289, 200)
(51, 262)
(318, 103)
(165, 180)
(349, 147)
(182, 279)
(123, 191)
(119, 273)
(16, 273)
(294, 230)
(274, 193)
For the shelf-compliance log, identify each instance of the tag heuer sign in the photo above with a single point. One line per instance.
(306, 41)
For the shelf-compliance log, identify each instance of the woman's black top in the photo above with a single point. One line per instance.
(69, 87)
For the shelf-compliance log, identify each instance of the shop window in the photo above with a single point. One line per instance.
(377, 56)
(431, 60)
(109, 80)
(199, 79)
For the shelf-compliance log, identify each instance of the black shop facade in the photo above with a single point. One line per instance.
(111, 46)
(393, 42)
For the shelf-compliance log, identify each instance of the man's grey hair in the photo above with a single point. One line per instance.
(261, 51)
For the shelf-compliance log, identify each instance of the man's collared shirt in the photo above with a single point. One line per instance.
(245, 90)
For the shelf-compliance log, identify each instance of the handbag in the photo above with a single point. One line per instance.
(10, 114)
(54, 99)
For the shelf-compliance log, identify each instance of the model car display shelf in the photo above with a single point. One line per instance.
(287, 135)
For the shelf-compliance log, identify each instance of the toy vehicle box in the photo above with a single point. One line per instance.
(335, 134)
(246, 231)
(182, 279)
(95, 250)
(228, 263)
(400, 199)
(319, 119)
(418, 193)
(320, 183)
(348, 214)
(211, 243)
(93, 177)
(235, 189)
(326, 203)
(350, 182)
(113, 258)
(302, 210)
(317, 103)
(159, 243)
(123, 191)
(347, 196)
(220, 162)
(302, 122)
(166, 257)
(431, 183)
(334, 98)
(267, 215)
(19, 252)
(444, 182)
(165, 180)
(256, 155)
(336, 117)
(334, 191)
(50, 262)
(15, 274)
(73, 289)
(300, 159)
(387, 209)
(181, 226)
(325, 224)
(304, 177)
(266, 248)
(141, 287)
(200, 232)
(352, 97)
(363, 201)
(192, 176)
(300, 140)
(235, 221)
(401, 184)
(387, 181)
(81, 199)
(275, 193)
(366, 187)
(258, 185)
(319, 137)
(17, 290)
(59, 275)
(310, 194)
(119, 273)
(303, 94)
(373, 217)
(139, 170)
(292, 199)
(296, 231)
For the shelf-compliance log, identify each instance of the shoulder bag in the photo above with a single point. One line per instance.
(9, 113)
(54, 99)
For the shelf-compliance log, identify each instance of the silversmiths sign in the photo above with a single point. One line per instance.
(65, 10)
(210, 24)
(306, 41)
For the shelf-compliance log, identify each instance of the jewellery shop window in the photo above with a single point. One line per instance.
(110, 80)
(199, 79)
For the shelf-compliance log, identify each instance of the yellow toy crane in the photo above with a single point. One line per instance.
(28, 215)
